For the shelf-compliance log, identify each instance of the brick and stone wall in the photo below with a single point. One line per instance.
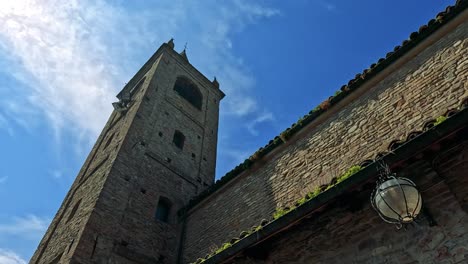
(158, 167)
(108, 215)
(338, 235)
(149, 167)
(426, 86)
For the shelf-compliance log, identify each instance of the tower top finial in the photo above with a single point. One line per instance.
(184, 53)
(215, 83)
(171, 43)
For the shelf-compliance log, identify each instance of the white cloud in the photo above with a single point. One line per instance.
(63, 77)
(10, 257)
(263, 117)
(254, 10)
(30, 227)
(74, 56)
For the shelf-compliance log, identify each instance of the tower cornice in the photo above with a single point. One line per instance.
(169, 48)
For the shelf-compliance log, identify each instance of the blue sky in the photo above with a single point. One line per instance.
(63, 62)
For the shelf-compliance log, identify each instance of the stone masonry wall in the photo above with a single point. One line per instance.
(65, 230)
(425, 87)
(96, 237)
(109, 212)
(149, 167)
(341, 236)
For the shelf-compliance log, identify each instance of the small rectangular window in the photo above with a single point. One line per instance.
(163, 210)
(178, 139)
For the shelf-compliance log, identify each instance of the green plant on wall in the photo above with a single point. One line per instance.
(316, 109)
(223, 247)
(348, 173)
(440, 120)
(313, 194)
(283, 211)
(280, 212)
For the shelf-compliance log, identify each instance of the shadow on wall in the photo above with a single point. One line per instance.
(360, 236)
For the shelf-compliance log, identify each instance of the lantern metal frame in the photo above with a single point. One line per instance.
(386, 175)
(400, 183)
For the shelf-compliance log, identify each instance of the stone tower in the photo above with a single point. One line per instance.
(157, 151)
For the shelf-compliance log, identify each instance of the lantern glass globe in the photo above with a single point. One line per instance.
(397, 200)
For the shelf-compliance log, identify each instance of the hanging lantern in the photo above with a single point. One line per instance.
(396, 200)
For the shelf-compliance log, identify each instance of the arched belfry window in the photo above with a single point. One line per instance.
(178, 139)
(189, 91)
(163, 209)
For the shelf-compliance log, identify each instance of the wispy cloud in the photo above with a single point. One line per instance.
(253, 10)
(6, 125)
(10, 257)
(237, 156)
(3, 179)
(62, 77)
(12, 109)
(263, 117)
(74, 56)
(327, 5)
(30, 227)
(56, 174)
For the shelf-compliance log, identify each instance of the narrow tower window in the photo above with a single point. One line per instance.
(189, 91)
(178, 139)
(56, 260)
(163, 209)
(109, 140)
(73, 211)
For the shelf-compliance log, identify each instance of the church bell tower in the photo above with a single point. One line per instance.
(156, 152)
